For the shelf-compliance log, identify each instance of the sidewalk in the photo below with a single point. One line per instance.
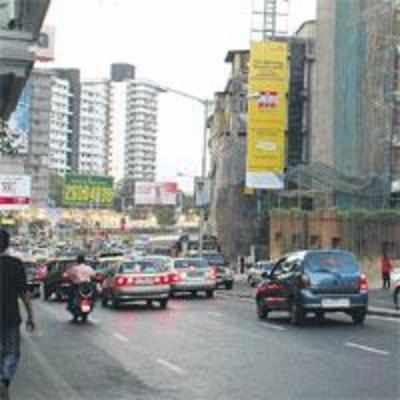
(380, 301)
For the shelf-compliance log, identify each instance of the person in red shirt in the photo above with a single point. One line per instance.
(386, 266)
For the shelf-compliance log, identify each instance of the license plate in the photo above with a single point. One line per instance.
(144, 281)
(85, 308)
(335, 303)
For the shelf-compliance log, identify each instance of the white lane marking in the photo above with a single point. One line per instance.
(121, 338)
(367, 348)
(272, 326)
(171, 366)
(215, 314)
(64, 389)
(389, 319)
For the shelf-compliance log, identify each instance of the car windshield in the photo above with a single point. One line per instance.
(190, 263)
(331, 263)
(140, 267)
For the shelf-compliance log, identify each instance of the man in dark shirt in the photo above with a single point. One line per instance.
(12, 287)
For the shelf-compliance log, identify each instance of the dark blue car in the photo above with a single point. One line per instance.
(317, 282)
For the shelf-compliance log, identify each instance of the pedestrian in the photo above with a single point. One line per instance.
(13, 286)
(386, 267)
(242, 265)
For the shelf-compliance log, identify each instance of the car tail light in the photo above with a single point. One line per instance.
(305, 282)
(161, 280)
(273, 286)
(121, 281)
(175, 278)
(363, 283)
(130, 281)
(65, 275)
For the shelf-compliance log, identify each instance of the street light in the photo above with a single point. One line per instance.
(206, 103)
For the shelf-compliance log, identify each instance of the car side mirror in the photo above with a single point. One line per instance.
(266, 275)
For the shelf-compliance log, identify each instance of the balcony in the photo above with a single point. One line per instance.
(20, 25)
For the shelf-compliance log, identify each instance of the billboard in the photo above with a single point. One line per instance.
(88, 191)
(20, 122)
(156, 194)
(268, 86)
(15, 192)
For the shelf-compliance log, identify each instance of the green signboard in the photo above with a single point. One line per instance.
(88, 191)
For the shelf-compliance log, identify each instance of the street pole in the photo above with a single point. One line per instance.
(203, 176)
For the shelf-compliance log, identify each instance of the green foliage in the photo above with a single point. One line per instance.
(165, 216)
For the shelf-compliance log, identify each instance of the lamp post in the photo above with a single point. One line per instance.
(206, 103)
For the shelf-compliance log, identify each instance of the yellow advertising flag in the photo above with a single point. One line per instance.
(268, 88)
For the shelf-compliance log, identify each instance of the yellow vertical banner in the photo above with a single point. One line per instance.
(267, 119)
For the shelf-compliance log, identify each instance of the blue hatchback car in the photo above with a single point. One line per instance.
(314, 281)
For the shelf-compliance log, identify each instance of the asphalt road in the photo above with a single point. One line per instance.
(206, 349)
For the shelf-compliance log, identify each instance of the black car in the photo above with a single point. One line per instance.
(316, 282)
(56, 280)
(225, 276)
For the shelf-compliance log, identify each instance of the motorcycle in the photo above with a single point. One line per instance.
(83, 302)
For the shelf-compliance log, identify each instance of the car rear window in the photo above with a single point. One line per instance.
(140, 267)
(215, 259)
(184, 264)
(331, 262)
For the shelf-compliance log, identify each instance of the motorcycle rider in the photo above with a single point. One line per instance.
(80, 273)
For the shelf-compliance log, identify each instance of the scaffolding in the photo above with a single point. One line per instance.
(270, 18)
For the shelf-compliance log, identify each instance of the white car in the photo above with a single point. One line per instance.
(395, 278)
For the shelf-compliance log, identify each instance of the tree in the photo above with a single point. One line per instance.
(165, 216)
(56, 184)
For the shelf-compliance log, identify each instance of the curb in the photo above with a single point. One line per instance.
(383, 312)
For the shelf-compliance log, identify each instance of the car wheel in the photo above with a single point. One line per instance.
(297, 314)
(84, 318)
(149, 303)
(320, 316)
(262, 310)
(229, 286)
(115, 303)
(396, 298)
(359, 317)
(210, 294)
(46, 294)
(163, 304)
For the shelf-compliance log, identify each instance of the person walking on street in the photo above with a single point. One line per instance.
(13, 286)
(386, 267)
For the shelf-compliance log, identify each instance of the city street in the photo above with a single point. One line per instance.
(206, 349)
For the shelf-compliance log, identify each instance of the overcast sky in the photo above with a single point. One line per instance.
(179, 43)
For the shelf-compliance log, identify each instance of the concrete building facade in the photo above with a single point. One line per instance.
(237, 218)
(353, 118)
(95, 99)
(141, 131)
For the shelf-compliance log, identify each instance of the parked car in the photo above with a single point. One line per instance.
(136, 280)
(314, 282)
(56, 280)
(193, 275)
(255, 273)
(225, 276)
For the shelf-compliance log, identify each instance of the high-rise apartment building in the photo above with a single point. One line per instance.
(94, 111)
(122, 72)
(141, 131)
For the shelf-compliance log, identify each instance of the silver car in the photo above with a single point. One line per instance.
(193, 275)
(137, 280)
(255, 273)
